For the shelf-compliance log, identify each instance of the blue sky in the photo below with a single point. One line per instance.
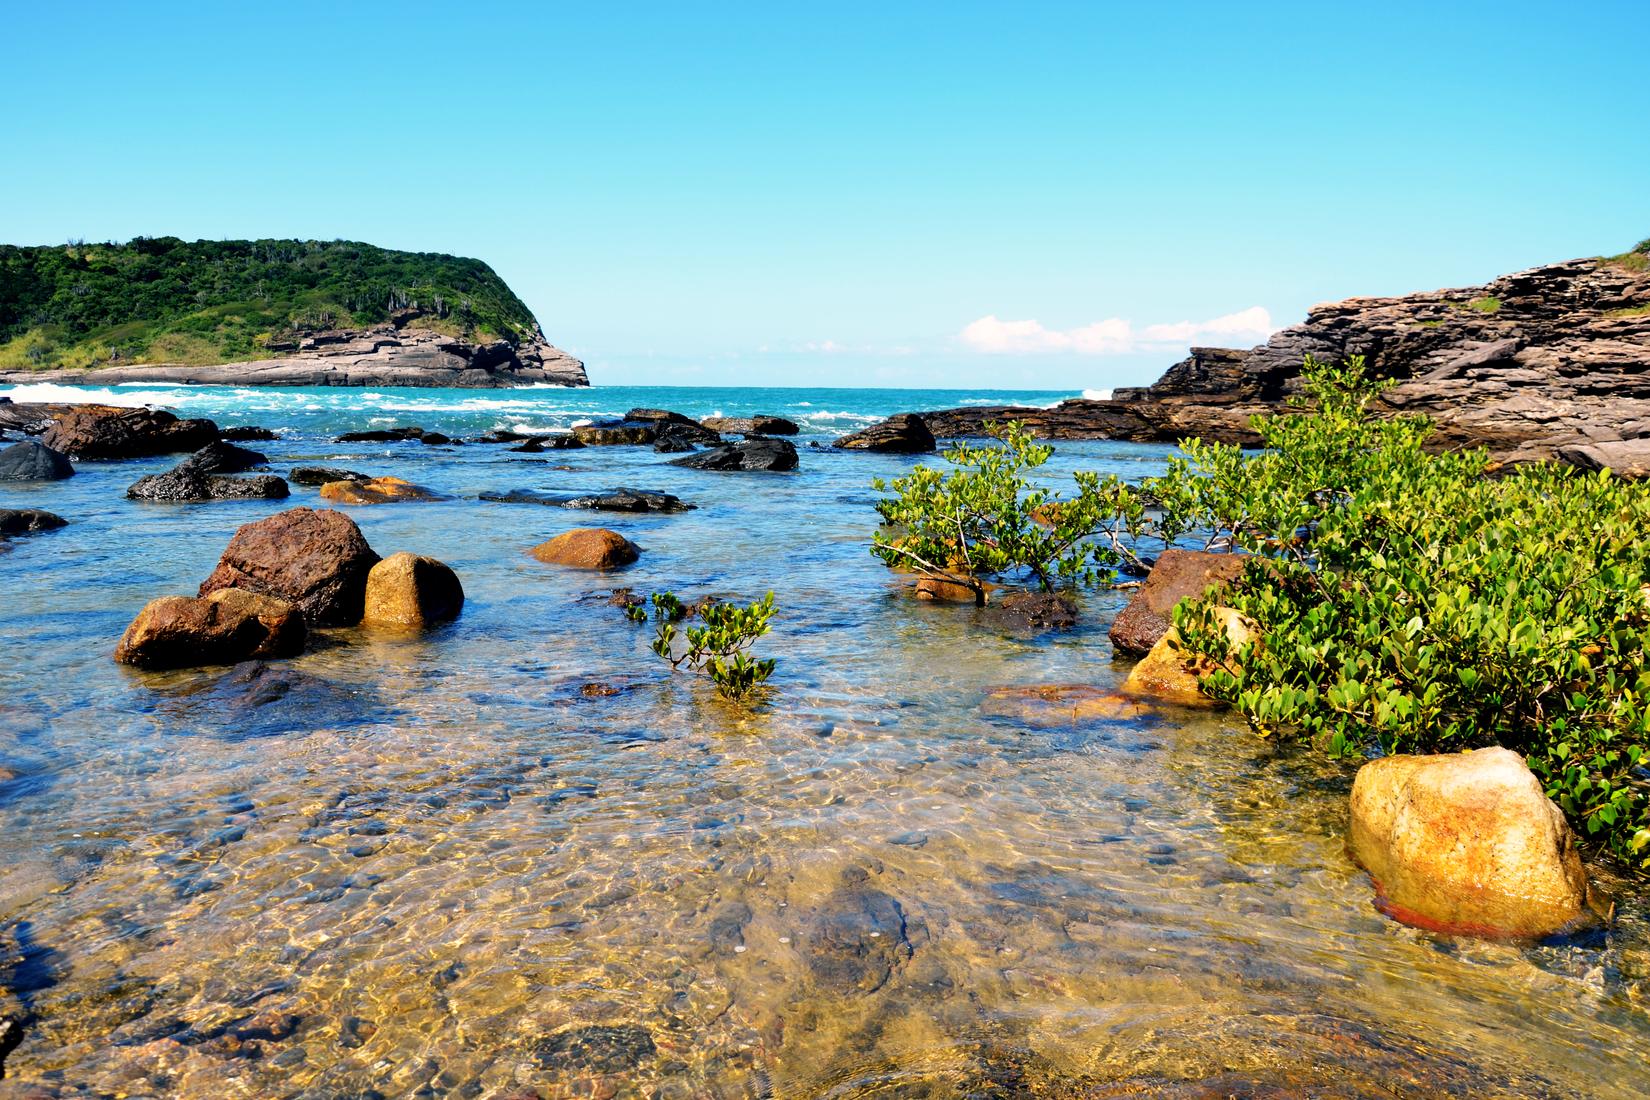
(1030, 195)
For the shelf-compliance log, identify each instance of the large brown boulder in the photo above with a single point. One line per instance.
(104, 431)
(377, 490)
(1178, 575)
(406, 590)
(588, 548)
(1171, 673)
(1467, 843)
(224, 628)
(903, 433)
(316, 560)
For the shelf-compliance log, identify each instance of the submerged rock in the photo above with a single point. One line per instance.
(748, 454)
(104, 431)
(26, 521)
(1049, 706)
(1178, 575)
(1467, 842)
(599, 1048)
(411, 591)
(317, 560)
(613, 500)
(857, 940)
(383, 435)
(248, 433)
(903, 433)
(31, 460)
(588, 548)
(1168, 672)
(224, 628)
(377, 490)
(952, 590)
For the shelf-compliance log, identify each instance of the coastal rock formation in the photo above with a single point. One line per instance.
(26, 521)
(317, 560)
(223, 628)
(219, 457)
(751, 425)
(588, 548)
(1177, 575)
(616, 433)
(613, 500)
(904, 433)
(380, 356)
(248, 433)
(33, 461)
(406, 590)
(104, 431)
(1467, 842)
(1553, 362)
(1169, 673)
(187, 485)
(377, 490)
(320, 475)
(760, 453)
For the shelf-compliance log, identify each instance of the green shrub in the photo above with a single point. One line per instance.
(1413, 602)
(720, 647)
(985, 517)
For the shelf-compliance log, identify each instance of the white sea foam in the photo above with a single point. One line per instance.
(1097, 395)
(83, 395)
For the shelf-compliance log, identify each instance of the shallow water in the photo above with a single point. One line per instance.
(434, 866)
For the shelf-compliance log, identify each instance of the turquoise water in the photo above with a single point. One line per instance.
(436, 866)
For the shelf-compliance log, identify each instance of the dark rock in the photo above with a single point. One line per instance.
(1178, 575)
(321, 475)
(623, 1048)
(12, 1027)
(531, 447)
(183, 485)
(383, 435)
(675, 438)
(1035, 611)
(748, 454)
(857, 940)
(614, 500)
(219, 457)
(25, 521)
(434, 439)
(103, 431)
(751, 425)
(225, 628)
(32, 461)
(660, 416)
(616, 433)
(314, 559)
(502, 435)
(248, 434)
(904, 433)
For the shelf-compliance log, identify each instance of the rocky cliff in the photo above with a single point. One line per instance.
(1550, 362)
(380, 356)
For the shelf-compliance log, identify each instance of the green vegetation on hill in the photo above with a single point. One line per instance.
(163, 300)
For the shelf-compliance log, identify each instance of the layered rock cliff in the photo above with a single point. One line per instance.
(1549, 362)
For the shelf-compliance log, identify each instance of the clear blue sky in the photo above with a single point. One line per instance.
(1047, 195)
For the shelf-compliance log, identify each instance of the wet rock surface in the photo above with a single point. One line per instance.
(34, 461)
(408, 590)
(748, 454)
(224, 628)
(612, 500)
(186, 485)
(107, 432)
(588, 548)
(751, 425)
(598, 1048)
(218, 457)
(317, 560)
(857, 938)
(320, 475)
(27, 521)
(1177, 575)
(904, 433)
(377, 490)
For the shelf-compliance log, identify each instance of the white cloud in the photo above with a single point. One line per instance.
(1113, 336)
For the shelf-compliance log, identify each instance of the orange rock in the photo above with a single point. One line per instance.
(379, 490)
(412, 591)
(1467, 843)
(950, 590)
(224, 628)
(1169, 673)
(1054, 705)
(588, 548)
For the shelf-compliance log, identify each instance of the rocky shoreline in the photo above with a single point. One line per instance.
(386, 355)
(1549, 363)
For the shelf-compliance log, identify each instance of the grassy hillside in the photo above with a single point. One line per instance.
(162, 300)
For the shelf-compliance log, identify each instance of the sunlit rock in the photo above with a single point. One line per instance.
(406, 590)
(1172, 674)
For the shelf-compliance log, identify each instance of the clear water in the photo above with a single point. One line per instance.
(434, 866)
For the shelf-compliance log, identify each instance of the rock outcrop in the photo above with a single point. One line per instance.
(320, 475)
(588, 548)
(317, 560)
(185, 485)
(1467, 843)
(106, 431)
(751, 425)
(377, 490)
(759, 453)
(409, 591)
(1170, 673)
(1553, 362)
(33, 461)
(224, 628)
(381, 356)
(1177, 575)
(903, 433)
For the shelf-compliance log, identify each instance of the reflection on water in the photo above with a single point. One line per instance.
(440, 867)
